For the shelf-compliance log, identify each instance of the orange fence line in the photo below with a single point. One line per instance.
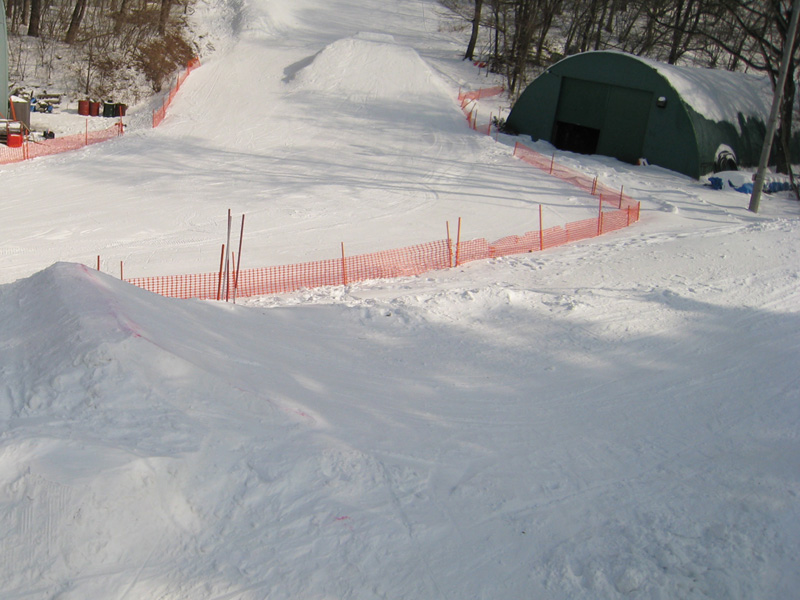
(481, 93)
(470, 110)
(387, 264)
(615, 211)
(580, 180)
(160, 114)
(30, 149)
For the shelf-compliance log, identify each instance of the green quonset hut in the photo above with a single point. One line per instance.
(689, 120)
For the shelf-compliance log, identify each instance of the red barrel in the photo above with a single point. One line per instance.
(83, 107)
(94, 109)
(14, 140)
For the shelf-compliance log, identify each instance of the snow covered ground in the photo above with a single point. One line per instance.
(618, 418)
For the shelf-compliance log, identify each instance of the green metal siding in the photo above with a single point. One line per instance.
(618, 94)
(535, 111)
(627, 112)
(582, 102)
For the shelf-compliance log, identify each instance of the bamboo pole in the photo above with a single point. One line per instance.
(239, 262)
(449, 246)
(344, 267)
(219, 279)
(458, 241)
(600, 216)
(227, 262)
(541, 230)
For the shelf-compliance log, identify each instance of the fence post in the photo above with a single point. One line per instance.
(600, 216)
(219, 279)
(227, 263)
(552, 162)
(541, 231)
(238, 262)
(449, 247)
(120, 271)
(620, 195)
(594, 186)
(344, 268)
(458, 241)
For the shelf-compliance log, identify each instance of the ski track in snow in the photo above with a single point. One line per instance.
(616, 418)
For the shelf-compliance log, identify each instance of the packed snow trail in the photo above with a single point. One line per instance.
(559, 426)
(324, 124)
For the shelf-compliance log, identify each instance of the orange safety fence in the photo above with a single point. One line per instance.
(479, 94)
(403, 262)
(470, 110)
(579, 180)
(615, 210)
(160, 114)
(34, 149)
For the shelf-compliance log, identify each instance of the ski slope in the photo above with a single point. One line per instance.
(324, 126)
(618, 418)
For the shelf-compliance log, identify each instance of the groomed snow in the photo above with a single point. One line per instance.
(617, 418)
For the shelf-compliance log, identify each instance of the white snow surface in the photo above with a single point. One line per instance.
(618, 418)
(719, 95)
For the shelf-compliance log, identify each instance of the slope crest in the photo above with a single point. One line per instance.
(369, 67)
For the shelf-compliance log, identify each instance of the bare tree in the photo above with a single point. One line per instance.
(35, 18)
(764, 28)
(75, 21)
(473, 38)
(163, 18)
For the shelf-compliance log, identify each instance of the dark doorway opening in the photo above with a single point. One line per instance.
(576, 138)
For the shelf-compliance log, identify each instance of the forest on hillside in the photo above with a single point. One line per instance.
(520, 38)
(132, 47)
(125, 48)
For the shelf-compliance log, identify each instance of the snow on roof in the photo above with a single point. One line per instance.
(716, 94)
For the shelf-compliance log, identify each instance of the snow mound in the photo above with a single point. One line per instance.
(369, 67)
(81, 342)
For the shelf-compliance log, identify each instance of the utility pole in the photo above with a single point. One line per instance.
(777, 98)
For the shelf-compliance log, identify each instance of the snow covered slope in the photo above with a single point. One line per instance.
(619, 418)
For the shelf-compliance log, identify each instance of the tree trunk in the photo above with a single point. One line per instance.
(163, 18)
(783, 159)
(120, 16)
(473, 38)
(36, 16)
(75, 22)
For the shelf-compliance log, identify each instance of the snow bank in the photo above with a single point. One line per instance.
(369, 68)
